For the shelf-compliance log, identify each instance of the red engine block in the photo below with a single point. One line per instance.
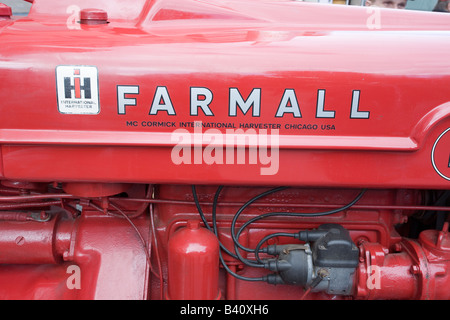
(149, 242)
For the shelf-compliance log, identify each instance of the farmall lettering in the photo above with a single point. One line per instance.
(202, 97)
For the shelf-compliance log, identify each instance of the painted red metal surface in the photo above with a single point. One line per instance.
(111, 111)
(418, 271)
(76, 261)
(193, 251)
(396, 70)
(108, 252)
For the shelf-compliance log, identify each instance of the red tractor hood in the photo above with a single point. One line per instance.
(341, 95)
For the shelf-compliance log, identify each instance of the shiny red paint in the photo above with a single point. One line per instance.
(193, 251)
(94, 206)
(245, 47)
(77, 260)
(419, 270)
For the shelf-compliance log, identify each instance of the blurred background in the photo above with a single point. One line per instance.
(19, 7)
(424, 5)
(22, 7)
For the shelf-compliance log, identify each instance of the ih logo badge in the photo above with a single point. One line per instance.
(77, 89)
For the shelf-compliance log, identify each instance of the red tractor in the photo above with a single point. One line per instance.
(224, 149)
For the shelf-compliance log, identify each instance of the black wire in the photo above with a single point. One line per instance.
(237, 254)
(205, 222)
(270, 236)
(214, 209)
(263, 278)
(237, 245)
(236, 216)
(214, 230)
(299, 214)
(235, 236)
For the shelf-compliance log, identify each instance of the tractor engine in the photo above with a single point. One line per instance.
(223, 150)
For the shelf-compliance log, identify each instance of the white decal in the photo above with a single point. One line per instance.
(77, 89)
